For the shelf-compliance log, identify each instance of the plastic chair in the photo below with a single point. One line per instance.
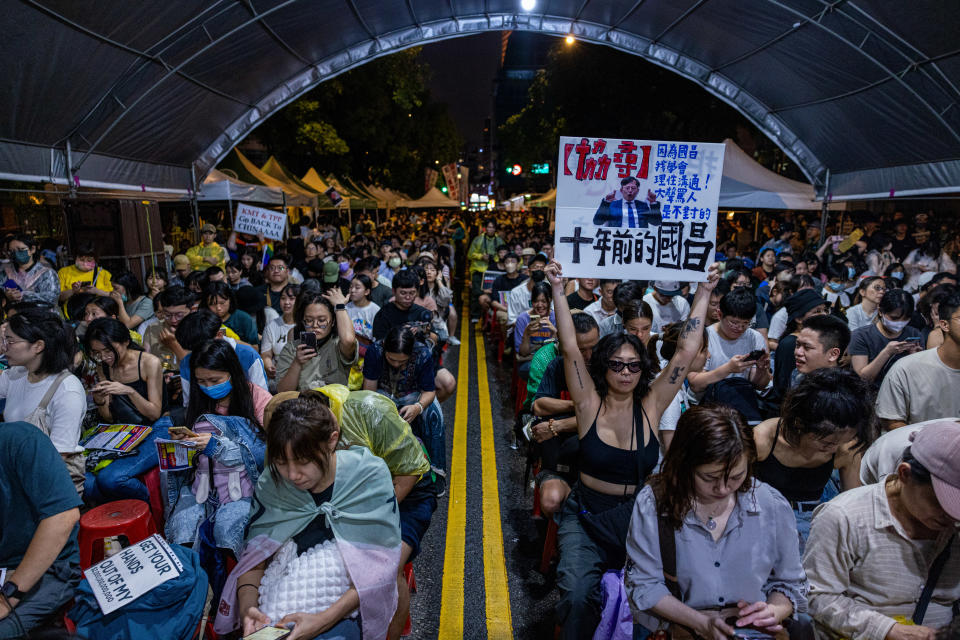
(129, 518)
(152, 481)
(549, 546)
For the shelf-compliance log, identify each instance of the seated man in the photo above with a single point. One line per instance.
(874, 551)
(503, 285)
(557, 421)
(886, 452)
(923, 386)
(172, 305)
(736, 350)
(39, 509)
(667, 303)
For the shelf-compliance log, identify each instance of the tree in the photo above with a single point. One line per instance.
(376, 123)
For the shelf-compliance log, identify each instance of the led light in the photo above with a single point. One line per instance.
(528, 5)
(570, 39)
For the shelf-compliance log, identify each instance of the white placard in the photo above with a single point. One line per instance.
(637, 209)
(121, 579)
(257, 220)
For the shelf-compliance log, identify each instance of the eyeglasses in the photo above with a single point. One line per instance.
(166, 315)
(315, 324)
(617, 366)
(276, 267)
(738, 325)
(9, 342)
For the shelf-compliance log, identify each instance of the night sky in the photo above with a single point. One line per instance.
(463, 74)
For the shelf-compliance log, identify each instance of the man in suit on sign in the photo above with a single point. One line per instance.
(628, 211)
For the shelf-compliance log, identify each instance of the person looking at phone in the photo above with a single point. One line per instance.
(310, 474)
(322, 345)
(172, 305)
(276, 331)
(923, 386)
(219, 298)
(225, 417)
(84, 275)
(618, 405)
(518, 300)
(827, 421)
(401, 310)
(27, 279)
(535, 326)
(876, 347)
(735, 556)
(872, 550)
(736, 350)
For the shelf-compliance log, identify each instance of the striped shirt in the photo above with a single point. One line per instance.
(864, 570)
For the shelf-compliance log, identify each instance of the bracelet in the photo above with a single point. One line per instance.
(248, 585)
(419, 405)
(550, 425)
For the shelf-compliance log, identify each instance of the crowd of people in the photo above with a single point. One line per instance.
(773, 451)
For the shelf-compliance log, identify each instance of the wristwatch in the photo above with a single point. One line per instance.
(11, 590)
(339, 307)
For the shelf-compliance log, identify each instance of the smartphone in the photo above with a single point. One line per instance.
(11, 284)
(309, 339)
(534, 317)
(182, 431)
(754, 355)
(269, 633)
(913, 339)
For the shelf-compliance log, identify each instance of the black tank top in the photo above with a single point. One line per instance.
(613, 464)
(797, 484)
(122, 408)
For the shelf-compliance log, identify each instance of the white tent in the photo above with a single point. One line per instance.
(220, 186)
(748, 185)
(431, 199)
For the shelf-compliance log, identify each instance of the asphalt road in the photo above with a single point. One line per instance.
(514, 577)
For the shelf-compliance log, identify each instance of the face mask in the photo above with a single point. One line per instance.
(344, 267)
(836, 287)
(897, 275)
(851, 273)
(124, 297)
(217, 391)
(510, 267)
(894, 325)
(538, 275)
(21, 257)
(394, 263)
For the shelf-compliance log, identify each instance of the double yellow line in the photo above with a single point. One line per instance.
(498, 617)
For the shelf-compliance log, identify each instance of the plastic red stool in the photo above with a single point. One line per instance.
(411, 578)
(130, 518)
(152, 481)
(549, 546)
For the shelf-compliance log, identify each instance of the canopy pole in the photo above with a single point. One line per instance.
(71, 182)
(195, 205)
(756, 226)
(824, 210)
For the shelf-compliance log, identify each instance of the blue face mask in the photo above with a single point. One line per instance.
(217, 391)
(836, 287)
(124, 297)
(897, 274)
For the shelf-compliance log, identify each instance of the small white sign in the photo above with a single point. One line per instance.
(257, 220)
(121, 579)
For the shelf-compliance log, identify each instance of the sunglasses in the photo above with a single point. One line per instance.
(617, 366)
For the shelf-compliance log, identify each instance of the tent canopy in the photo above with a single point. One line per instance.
(248, 172)
(862, 95)
(220, 186)
(430, 200)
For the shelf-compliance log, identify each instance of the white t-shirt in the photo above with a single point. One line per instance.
(275, 336)
(778, 324)
(597, 311)
(64, 413)
(269, 315)
(721, 349)
(883, 456)
(919, 387)
(857, 317)
(676, 310)
(363, 318)
(518, 301)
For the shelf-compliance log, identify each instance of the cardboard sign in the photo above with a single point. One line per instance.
(256, 220)
(121, 579)
(637, 209)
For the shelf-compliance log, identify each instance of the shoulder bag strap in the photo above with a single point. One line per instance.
(48, 396)
(933, 576)
(668, 555)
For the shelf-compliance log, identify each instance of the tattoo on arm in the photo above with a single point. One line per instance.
(690, 327)
(675, 375)
(576, 368)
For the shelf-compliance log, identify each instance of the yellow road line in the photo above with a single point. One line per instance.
(451, 603)
(499, 623)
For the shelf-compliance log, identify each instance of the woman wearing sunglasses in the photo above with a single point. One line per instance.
(618, 405)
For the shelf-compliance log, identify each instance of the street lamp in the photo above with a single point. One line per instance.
(570, 39)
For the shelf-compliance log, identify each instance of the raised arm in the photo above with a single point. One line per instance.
(665, 387)
(579, 383)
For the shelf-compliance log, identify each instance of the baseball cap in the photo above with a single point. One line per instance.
(181, 262)
(937, 447)
(667, 287)
(208, 228)
(528, 251)
(331, 271)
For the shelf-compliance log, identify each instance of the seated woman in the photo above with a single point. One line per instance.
(275, 333)
(727, 538)
(226, 412)
(534, 327)
(826, 423)
(443, 295)
(106, 307)
(323, 550)
(401, 368)
(870, 291)
(134, 307)
(618, 405)
(222, 300)
(321, 347)
(142, 400)
(39, 388)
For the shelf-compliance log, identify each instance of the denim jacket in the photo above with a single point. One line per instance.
(237, 445)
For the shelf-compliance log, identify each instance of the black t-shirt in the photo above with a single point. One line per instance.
(391, 316)
(576, 302)
(868, 341)
(902, 248)
(317, 532)
(503, 283)
(784, 364)
(380, 295)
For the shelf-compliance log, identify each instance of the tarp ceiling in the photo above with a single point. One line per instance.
(157, 93)
(430, 200)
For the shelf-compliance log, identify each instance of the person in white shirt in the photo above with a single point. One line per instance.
(360, 308)
(275, 332)
(518, 300)
(731, 343)
(40, 348)
(886, 452)
(870, 291)
(668, 304)
(605, 306)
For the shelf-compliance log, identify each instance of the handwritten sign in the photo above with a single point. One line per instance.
(121, 579)
(256, 220)
(637, 209)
